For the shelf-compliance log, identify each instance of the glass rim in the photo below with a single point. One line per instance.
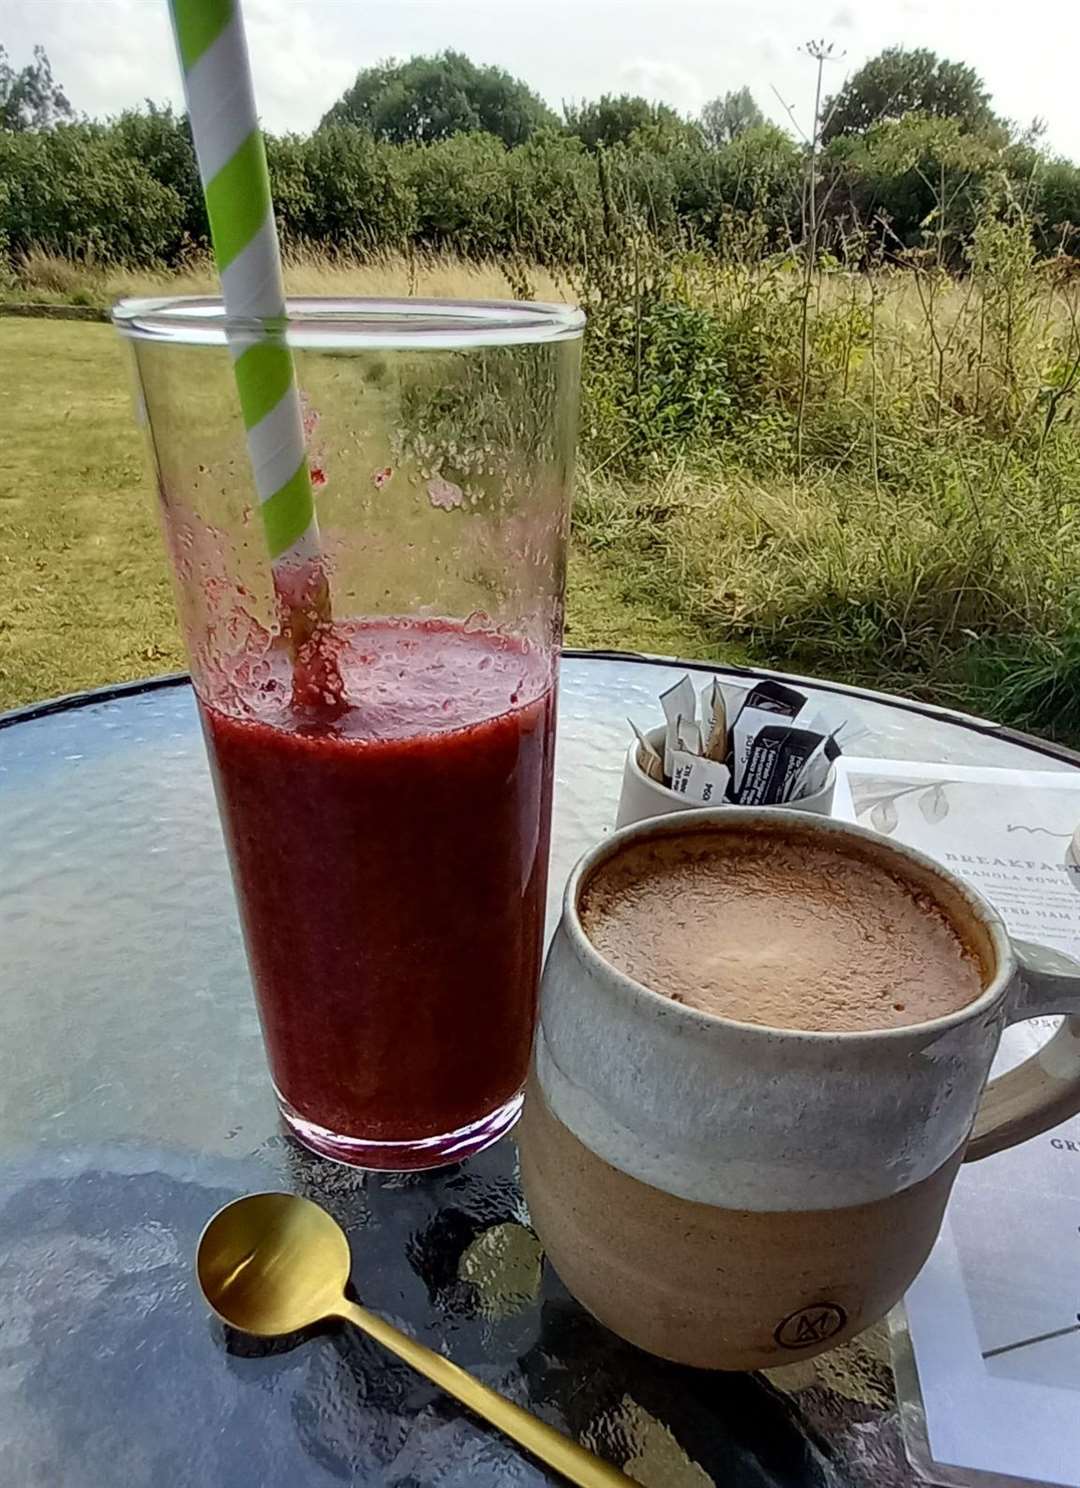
(353, 323)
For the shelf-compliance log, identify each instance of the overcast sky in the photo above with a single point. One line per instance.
(113, 53)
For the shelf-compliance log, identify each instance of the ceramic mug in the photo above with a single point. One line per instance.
(642, 797)
(735, 1196)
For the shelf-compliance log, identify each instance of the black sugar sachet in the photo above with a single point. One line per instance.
(777, 757)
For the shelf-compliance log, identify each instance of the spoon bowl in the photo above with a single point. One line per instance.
(273, 1263)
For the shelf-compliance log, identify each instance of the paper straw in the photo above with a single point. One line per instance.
(229, 146)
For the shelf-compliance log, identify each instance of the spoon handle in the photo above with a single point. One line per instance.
(560, 1452)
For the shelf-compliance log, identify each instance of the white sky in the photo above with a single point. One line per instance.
(109, 54)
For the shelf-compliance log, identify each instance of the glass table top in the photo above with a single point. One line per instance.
(134, 1101)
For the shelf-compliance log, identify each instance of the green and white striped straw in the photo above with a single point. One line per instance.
(214, 60)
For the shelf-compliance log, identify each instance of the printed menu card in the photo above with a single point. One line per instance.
(987, 1342)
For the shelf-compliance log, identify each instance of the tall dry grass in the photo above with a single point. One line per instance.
(47, 277)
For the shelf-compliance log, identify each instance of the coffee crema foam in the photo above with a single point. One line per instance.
(787, 932)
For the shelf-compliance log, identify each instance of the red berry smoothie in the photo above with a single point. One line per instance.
(390, 864)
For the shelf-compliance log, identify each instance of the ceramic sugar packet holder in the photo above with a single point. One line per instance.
(642, 797)
(766, 743)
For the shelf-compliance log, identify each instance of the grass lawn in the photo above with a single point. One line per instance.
(85, 596)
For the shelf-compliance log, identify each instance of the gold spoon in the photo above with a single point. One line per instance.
(273, 1263)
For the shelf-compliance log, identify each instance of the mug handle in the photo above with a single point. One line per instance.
(1045, 1089)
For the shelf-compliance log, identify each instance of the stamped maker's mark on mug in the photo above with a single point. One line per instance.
(810, 1325)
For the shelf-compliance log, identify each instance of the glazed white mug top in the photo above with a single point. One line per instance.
(749, 1117)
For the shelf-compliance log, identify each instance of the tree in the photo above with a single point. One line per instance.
(612, 120)
(758, 176)
(724, 119)
(554, 198)
(161, 141)
(31, 98)
(76, 192)
(355, 195)
(902, 81)
(924, 176)
(431, 98)
(462, 194)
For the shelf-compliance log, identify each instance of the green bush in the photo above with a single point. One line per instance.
(294, 204)
(912, 184)
(462, 194)
(76, 191)
(924, 177)
(640, 184)
(757, 175)
(355, 195)
(1055, 203)
(554, 199)
(161, 141)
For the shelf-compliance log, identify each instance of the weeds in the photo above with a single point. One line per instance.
(876, 477)
(871, 471)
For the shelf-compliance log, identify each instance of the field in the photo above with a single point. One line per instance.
(46, 279)
(870, 476)
(84, 592)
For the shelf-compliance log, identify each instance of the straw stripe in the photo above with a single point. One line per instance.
(238, 200)
(288, 512)
(273, 443)
(263, 377)
(220, 99)
(232, 164)
(198, 23)
(251, 285)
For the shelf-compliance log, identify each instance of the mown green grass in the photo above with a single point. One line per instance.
(85, 597)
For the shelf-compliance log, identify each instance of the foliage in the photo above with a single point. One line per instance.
(161, 141)
(723, 119)
(76, 191)
(758, 176)
(351, 191)
(960, 584)
(1054, 195)
(85, 597)
(31, 98)
(900, 81)
(554, 199)
(656, 377)
(923, 176)
(613, 120)
(932, 543)
(904, 185)
(854, 450)
(919, 180)
(432, 98)
(462, 194)
(926, 536)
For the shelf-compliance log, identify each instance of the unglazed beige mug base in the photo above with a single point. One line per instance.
(718, 1288)
(737, 1197)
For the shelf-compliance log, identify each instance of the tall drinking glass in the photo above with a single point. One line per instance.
(388, 830)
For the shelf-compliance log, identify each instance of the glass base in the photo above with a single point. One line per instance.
(402, 1157)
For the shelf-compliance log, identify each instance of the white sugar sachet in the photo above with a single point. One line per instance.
(700, 779)
(677, 702)
(648, 758)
